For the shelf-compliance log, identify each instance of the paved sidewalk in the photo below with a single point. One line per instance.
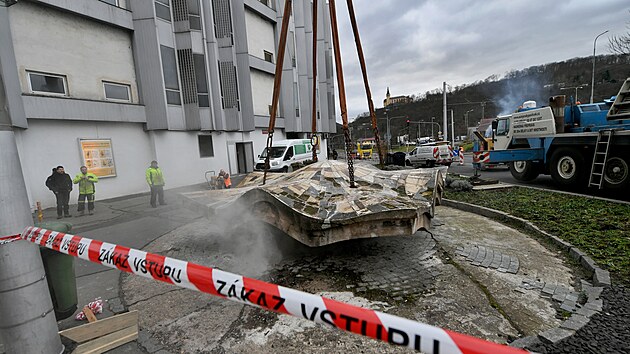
(128, 221)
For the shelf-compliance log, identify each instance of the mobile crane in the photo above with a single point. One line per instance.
(579, 145)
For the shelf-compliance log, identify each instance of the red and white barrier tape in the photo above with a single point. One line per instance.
(9, 239)
(392, 329)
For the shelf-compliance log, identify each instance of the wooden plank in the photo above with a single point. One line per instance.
(91, 317)
(102, 327)
(108, 342)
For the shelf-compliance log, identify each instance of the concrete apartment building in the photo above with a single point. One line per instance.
(114, 84)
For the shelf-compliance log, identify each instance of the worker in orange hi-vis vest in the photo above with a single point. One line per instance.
(461, 155)
(226, 178)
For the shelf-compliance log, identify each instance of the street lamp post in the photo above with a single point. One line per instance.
(593, 73)
(576, 88)
(445, 125)
(466, 118)
(389, 137)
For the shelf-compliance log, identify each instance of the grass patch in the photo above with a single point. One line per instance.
(599, 228)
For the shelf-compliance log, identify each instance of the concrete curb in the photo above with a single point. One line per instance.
(600, 277)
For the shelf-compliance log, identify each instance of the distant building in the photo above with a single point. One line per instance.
(396, 100)
(114, 84)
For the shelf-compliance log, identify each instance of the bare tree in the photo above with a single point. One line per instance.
(620, 44)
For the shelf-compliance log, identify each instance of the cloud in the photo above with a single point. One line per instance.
(412, 46)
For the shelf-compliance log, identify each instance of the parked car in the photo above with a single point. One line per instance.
(430, 154)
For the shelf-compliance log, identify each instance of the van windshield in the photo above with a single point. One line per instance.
(366, 146)
(276, 152)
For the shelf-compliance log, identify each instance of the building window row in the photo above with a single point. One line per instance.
(55, 84)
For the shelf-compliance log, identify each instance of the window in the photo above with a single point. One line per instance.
(222, 18)
(171, 82)
(268, 56)
(229, 85)
(47, 83)
(503, 127)
(163, 9)
(202, 82)
(269, 3)
(205, 146)
(117, 92)
(194, 14)
(112, 2)
(173, 97)
(289, 154)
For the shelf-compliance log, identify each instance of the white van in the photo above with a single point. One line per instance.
(285, 153)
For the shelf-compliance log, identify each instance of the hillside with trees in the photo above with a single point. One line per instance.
(499, 95)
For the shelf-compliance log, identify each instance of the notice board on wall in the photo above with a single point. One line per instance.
(98, 156)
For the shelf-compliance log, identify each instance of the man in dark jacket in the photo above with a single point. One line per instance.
(60, 183)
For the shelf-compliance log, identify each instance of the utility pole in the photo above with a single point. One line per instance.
(27, 319)
(445, 133)
(452, 129)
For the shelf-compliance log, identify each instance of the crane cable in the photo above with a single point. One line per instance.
(368, 93)
(276, 84)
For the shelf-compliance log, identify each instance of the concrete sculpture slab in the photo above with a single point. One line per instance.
(316, 206)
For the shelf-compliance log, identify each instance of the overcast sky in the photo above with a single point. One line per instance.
(412, 46)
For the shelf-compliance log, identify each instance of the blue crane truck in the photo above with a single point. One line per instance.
(579, 145)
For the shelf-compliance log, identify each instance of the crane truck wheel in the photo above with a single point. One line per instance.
(616, 174)
(524, 170)
(567, 168)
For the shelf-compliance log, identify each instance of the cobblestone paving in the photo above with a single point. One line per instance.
(489, 258)
(568, 299)
(396, 268)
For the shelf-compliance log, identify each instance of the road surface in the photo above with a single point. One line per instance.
(502, 174)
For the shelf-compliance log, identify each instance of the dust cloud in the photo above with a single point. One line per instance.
(253, 245)
(515, 92)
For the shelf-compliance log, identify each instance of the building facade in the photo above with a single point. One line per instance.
(396, 100)
(114, 84)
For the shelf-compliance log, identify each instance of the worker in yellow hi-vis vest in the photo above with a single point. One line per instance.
(155, 179)
(86, 181)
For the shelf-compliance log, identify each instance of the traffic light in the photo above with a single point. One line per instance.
(407, 123)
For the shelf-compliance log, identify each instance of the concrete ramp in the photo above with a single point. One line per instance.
(316, 206)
